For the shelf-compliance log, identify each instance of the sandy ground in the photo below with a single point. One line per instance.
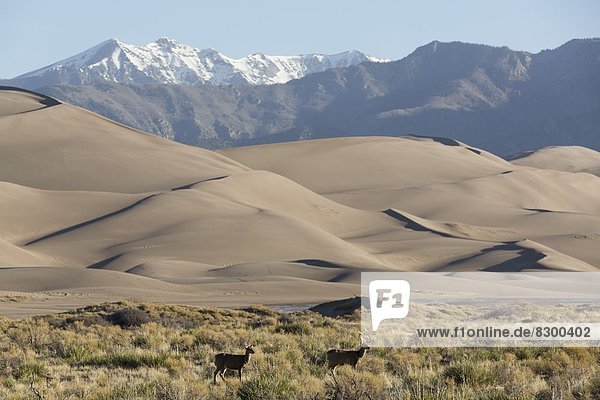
(93, 211)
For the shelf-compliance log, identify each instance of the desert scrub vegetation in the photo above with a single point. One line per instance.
(147, 351)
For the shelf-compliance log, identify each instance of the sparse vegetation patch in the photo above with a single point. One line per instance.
(146, 351)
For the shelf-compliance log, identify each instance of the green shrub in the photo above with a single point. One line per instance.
(32, 372)
(76, 354)
(468, 373)
(293, 328)
(127, 360)
(128, 318)
(268, 385)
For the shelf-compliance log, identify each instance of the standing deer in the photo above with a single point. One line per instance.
(344, 357)
(224, 361)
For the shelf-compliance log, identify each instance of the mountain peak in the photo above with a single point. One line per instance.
(430, 47)
(107, 41)
(433, 44)
(167, 42)
(113, 42)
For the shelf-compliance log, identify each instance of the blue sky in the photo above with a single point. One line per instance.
(37, 33)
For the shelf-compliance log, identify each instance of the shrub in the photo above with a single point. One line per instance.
(401, 362)
(517, 381)
(594, 387)
(141, 342)
(268, 385)
(314, 352)
(349, 384)
(32, 372)
(294, 328)
(469, 373)
(127, 360)
(32, 332)
(217, 340)
(76, 354)
(128, 318)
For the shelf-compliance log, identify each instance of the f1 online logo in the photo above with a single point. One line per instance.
(389, 299)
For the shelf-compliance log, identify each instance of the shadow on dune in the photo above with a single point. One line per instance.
(540, 210)
(189, 186)
(46, 100)
(91, 221)
(412, 225)
(319, 263)
(103, 263)
(527, 259)
(114, 213)
(441, 140)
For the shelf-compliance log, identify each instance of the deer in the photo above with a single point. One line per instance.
(224, 361)
(344, 357)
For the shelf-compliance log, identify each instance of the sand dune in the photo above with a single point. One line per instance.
(370, 163)
(62, 147)
(443, 187)
(14, 255)
(450, 229)
(259, 216)
(24, 219)
(91, 210)
(563, 158)
(19, 101)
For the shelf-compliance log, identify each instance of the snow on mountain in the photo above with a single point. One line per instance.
(168, 61)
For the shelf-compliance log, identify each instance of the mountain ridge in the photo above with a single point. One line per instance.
(171, 62)
(495, 98)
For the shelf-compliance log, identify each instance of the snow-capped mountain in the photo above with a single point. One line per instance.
(168, 61)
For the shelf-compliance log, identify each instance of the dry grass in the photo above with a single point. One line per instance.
(91, 354)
